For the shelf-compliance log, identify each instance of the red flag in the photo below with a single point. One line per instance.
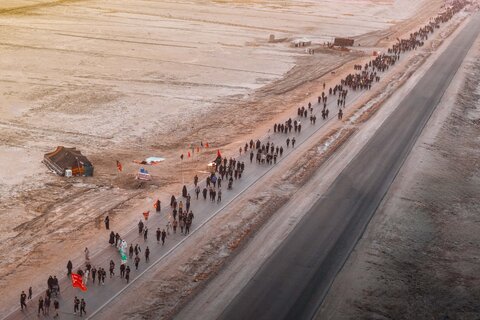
(146, 214)
(218, 153)
(77, 282)
(119, 166)
(188, 154)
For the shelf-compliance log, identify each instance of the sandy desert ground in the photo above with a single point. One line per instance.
(129, 80)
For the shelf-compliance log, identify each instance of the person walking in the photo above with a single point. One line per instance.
(85, 278)
(56, 306)
(107, 223)
(168, 226)
(164, 235)
(219, 195)
(205, 193)
(127, 273)
(46, 305)
(147, 254)
(40, 306)
(293, 142)
(140, 226)
(83, 305)
(197, 190)
(111, 240)
(117, 239)
(94, 274)
(104, 275)
(87, 254)
(23, 299)
(112, 268)
(137, 261)
(145, 234)
(158, 205)
(175, 224)
(76, 305)
(182, 225)
(159, 233)
(122, 271)
(288, 142)
(30, 293)
(130, 251)
(69, 268)
(195, 180)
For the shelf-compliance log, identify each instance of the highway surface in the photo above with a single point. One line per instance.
(293, 282)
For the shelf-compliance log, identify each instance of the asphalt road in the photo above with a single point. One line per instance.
(293, 282)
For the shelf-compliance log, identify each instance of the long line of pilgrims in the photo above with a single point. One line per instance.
(231, 169)
(369, 73)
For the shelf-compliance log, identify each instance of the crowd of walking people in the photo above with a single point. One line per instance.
(228, 171)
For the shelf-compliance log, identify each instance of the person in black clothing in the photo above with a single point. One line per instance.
(127, 274)
(122, 271)
(184, 191)
(107, 223)
(40, 305)
(23, 298)
(164, 235)
(83, 304)
(94, 272)
(69, 268)
(147, 254)
(137, 261)
(112, 268)
(111, 240)
(56, 306)
(30, 293)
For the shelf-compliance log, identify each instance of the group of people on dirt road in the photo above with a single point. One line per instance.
(44, 301)
(231, 170)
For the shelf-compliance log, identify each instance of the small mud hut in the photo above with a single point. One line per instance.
(62, 160)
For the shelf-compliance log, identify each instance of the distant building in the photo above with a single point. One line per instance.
(65, 161)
